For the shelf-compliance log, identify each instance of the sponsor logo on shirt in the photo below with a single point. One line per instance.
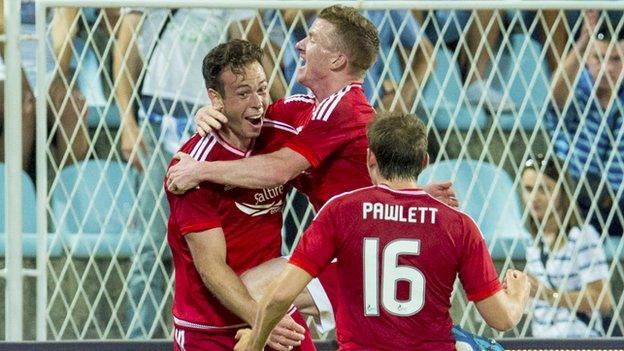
(259, 210)
(261, 207)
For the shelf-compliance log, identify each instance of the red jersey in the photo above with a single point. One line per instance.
(398, 253)
(251, 221)
(332, 138)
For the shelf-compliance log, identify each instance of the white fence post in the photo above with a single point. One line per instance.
(13, 183)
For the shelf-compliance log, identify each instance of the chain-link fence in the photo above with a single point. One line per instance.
(525, 115)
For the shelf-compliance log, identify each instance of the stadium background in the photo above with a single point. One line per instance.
(67, 278)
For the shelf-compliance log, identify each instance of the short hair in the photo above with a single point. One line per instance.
(399, 142)
(357, 36)
(235, 55)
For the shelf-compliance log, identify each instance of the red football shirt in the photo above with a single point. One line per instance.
(398, 253)
(332, 138)
(251, 221)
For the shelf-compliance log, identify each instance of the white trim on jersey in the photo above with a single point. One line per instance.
(179, 338)
(231, 148)
(300, 97)
(187, 324)
(335, 103)
(406, 192)
(324, 110)
(206, 143)
(279, 125)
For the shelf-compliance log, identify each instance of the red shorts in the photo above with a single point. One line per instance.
(196, 340)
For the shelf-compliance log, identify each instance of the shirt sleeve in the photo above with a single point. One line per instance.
(476, 271)
(195, 211)
(317, 247)
(591, 259)
(324, 134)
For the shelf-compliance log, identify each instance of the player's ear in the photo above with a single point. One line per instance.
(339, 61)
(371, 160)
(425, 161)
(215, 99)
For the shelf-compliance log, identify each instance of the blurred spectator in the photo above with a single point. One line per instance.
(405, 61)
(482, 37)
(568, 267)
(171, 45)
(71, 141)
(476, 35)
(586, 122)
(553, 31)
(285, 28)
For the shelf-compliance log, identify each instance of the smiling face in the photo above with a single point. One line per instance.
(316, 52)
(244, 101)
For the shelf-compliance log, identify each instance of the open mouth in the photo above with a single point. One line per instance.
(254, 120)
(302, 61)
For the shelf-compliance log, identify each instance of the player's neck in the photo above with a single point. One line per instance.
(331, 85)
(231, 138)
(398, 184)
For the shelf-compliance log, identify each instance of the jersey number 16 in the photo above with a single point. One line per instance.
(391, 274)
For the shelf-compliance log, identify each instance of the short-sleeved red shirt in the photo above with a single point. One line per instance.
(398, 254)
(332, 138)
(251, 221)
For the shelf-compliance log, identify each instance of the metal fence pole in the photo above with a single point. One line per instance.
(13, 184)
(42, 175)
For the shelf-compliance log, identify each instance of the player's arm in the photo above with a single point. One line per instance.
(257, 172)
(563, 78)
(503, 310)
(418, 61)
(63, 31)
(209, 253)
(273, 307)
(500, 307)
(127, 66)
(593, 296)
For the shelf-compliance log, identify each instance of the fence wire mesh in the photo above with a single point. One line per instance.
(502, 93)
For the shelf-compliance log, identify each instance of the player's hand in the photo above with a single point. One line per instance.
(588, 29)
(442, 191)
(183, 175)
(209, 118)
(517, 283)
(286, 335)
(244, 340)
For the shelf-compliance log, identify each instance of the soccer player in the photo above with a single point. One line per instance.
(341, 45)
(331, 145)
(218, 232)
(399, 251)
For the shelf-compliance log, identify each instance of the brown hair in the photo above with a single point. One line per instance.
(235, 55)
(552, 168)
(399, 142)
(357, 36)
